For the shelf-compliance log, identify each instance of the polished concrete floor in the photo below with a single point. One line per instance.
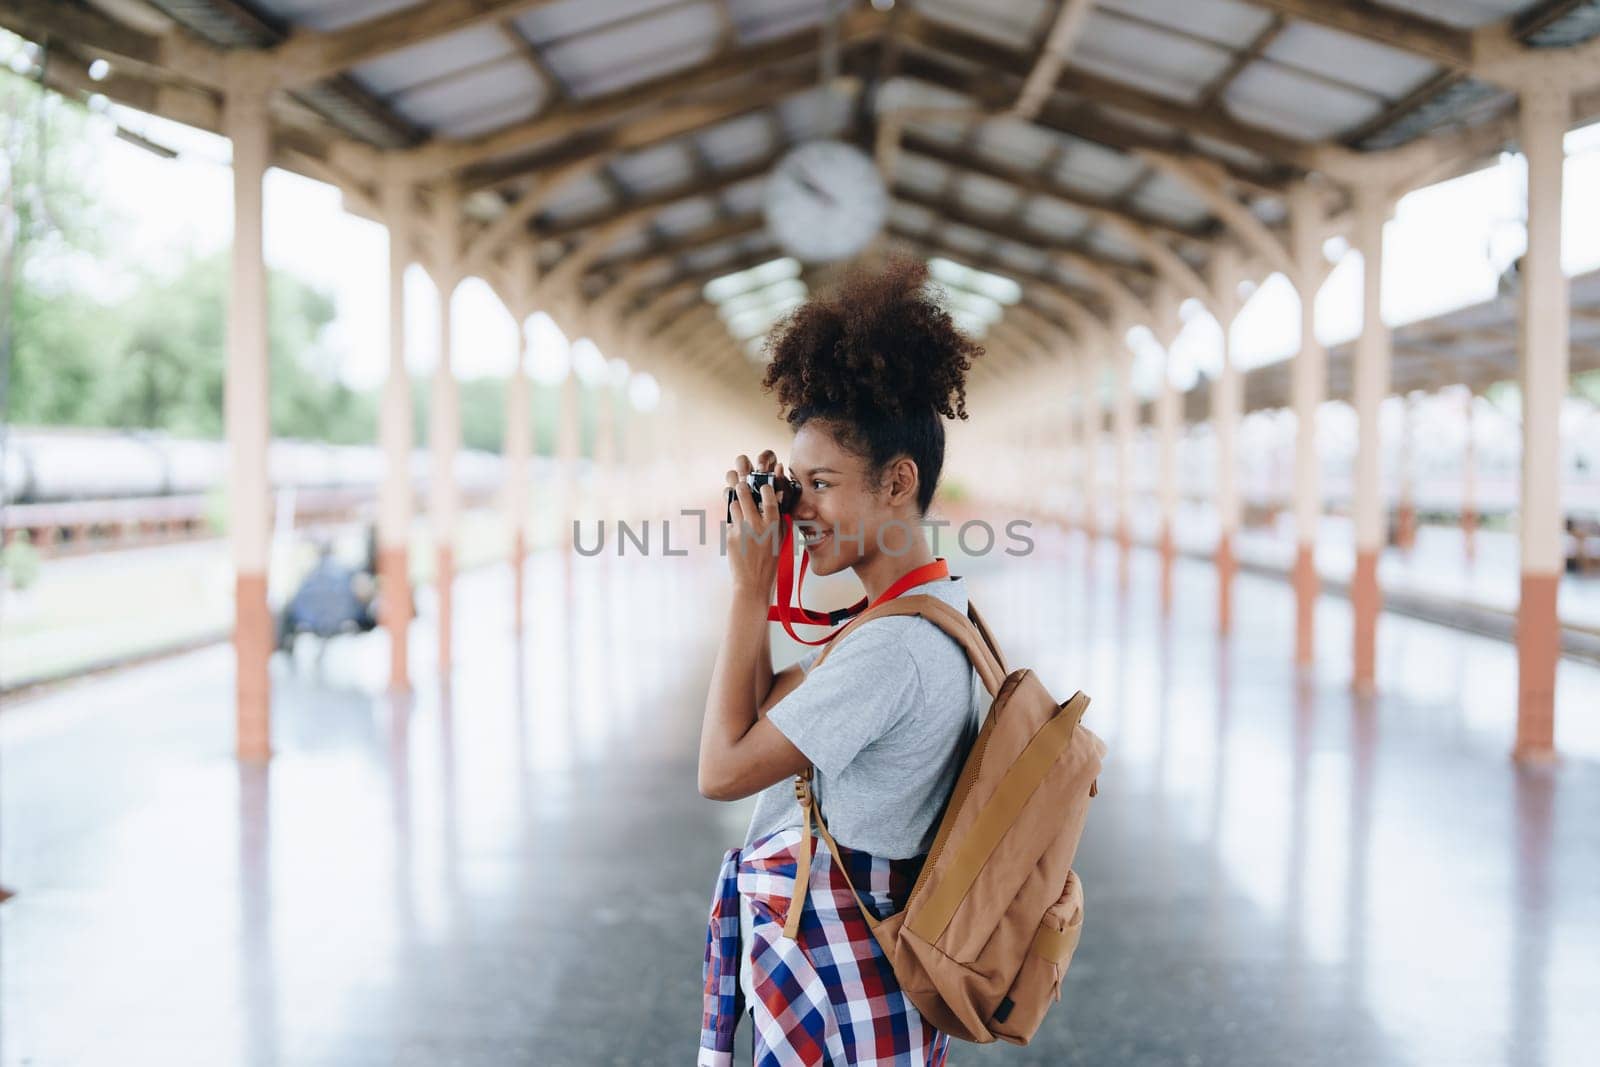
(514, 869)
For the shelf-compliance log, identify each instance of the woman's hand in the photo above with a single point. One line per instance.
(754, 536)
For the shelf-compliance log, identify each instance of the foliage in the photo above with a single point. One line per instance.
(19, 562)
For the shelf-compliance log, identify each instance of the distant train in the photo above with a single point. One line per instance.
(73, 491)
(46, 466)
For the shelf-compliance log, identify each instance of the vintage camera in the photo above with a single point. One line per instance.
(787, 489)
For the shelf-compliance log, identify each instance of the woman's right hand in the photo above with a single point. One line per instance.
(755, 534)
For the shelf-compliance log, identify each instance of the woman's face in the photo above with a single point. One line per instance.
(843, 509)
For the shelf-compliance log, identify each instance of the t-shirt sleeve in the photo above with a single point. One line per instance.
(809, 658)
(860, 691)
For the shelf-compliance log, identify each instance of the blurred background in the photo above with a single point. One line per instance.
(369, 369)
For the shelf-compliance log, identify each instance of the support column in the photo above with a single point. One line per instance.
(1469, 477)
(1084, 430)
(568, 442)
(519, 449)
(1545, 330)
(1405, 536)
(1371, 385)
(1123, 415)
(1227, 403)
(1167, 418)
(247, 417)
(1309, 387)
(444, 430)
(394, 432)
(605, 444)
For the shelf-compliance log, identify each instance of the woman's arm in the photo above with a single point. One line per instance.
(739, 753)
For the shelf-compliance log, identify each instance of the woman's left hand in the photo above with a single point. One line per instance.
(755, 536)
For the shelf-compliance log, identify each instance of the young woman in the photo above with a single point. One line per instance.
(865, 379)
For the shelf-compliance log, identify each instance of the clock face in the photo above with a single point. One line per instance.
(825, 201)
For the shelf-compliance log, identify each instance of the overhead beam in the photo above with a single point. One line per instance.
(1035, 184)
(1000, 230)
(1213, 187)
(1214, 123)
(575, 117)
(1047, 66)
(1084, 123)
(174, 54)
(1435, 41)
(309, 56)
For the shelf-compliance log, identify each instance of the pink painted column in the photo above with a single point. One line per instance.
(1373, 358)
(394, 431)
(519, 450)
(247, 419)
(1546, 113)
(1469, 477)
(445, 425)
(1309, 386)
(1227, 405)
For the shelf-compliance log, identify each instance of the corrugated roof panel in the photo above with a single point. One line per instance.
(1463, 13)
(921, 174)
(1171, 200)
(508, 85)
(656, 273)
(986, 195)
(1014, 23)
(913, 217)
(820, 112)
(1055, 217)
(635, 51)
(747, 197)
(650, 170)
(322, 15)
(1096, 171)
(629, 245)
(1232, 153)
(1296, 107)
(965, 238)
(570, 18)
(762, 20)
(900, 93)
(1227, 22)
(686, 215)
(433, 59)
(707, 258)
(1023, 145)
(1026, 258)
(1351, 60)
(1138, 55)
(760, 241)
(1105, 243)
(579, 198)
(738, 141)
(488, 119)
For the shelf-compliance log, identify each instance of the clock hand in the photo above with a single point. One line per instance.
(814, 189)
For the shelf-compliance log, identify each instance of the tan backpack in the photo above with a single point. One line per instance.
(993, 919)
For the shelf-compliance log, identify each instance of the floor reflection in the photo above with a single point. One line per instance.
(511, 865)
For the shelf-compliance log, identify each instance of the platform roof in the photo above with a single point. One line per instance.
(1087, 150)
(1475, 346)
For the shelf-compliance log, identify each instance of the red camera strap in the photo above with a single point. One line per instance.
(789, 584)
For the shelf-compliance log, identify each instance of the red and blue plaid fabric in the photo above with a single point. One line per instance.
(829, 998)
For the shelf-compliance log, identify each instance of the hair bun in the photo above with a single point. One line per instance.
(879, 345)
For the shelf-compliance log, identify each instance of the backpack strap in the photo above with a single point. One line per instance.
(974, 637)
(968, 631)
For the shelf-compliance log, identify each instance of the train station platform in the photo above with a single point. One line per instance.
(514, 867)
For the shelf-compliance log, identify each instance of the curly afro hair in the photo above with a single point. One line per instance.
(881, 363)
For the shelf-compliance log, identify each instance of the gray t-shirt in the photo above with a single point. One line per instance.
(886, 720)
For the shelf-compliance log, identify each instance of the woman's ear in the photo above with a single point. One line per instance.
(902, 481)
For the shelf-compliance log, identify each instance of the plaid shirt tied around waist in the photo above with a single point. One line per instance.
(830, 997)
